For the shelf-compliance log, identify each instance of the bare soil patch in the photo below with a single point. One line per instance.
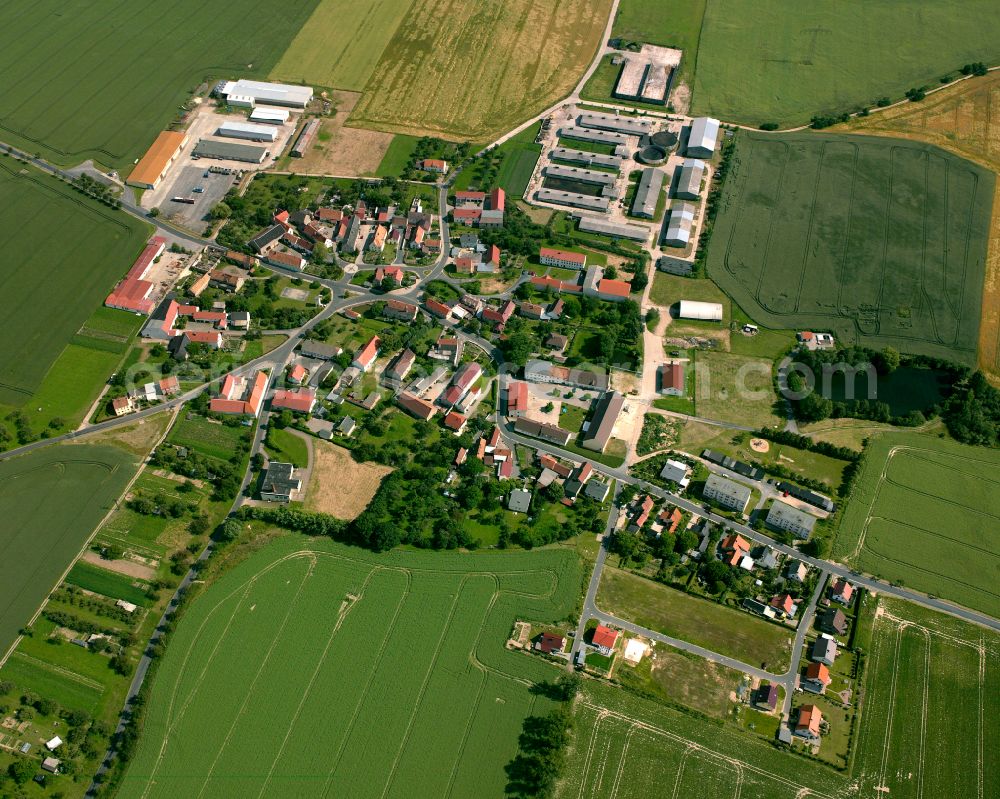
(125, 567)
(340, 150)
(759, 445)
(340, 486)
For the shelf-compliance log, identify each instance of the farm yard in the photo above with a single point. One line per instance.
(783, 61)
(817, 231)
(929, 700)
(51, 290)
(483, 67)
(338, 485)
(923, 513)
(76, 98)
(624, 744)
(353, 669)
(961, 119)
(76, 485)
(340, 44)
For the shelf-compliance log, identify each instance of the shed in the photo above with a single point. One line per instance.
(707, 311)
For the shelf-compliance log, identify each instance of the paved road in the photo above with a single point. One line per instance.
(790, 679)
(589, 603)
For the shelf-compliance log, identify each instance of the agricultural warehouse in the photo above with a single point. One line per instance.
(783, 516)
(229, 151)
(606, 412)
(587, 134)
(573, 200)
(680, 225)
(582, 175)
(304, 140)
(597, 224)
(703, 135)
(647, 193)
(634, 126)
(689, 178)
(247, 130)
(585, 158)
(151, 168)
(267, 93)
(727, 493)
(707, 311)
(270, 116)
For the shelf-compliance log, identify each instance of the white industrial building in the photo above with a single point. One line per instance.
(680, 225)
(647, 193)
(263, 93)
(703, 135)
(240, 101)
(689, 178)
(270, 116)
(634, 126)
(705, 311)
(248, 130)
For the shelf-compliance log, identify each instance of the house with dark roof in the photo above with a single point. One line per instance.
(833, 621)
(824, 650)
(550, 644)
(766, 698)
(267, 239)
(279, 483)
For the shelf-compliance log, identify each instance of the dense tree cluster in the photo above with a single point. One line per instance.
(541, 755)
(972, 412)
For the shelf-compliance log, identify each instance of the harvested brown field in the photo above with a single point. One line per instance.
(340, 150)
(475, 69)
(138, 438)
(126, 567)
(339, 485)
(963, 119)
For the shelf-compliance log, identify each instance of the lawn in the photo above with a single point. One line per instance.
(340, 44)
(397, 156)
(668, 290)
(657, 750)
(699, 621)
(50, 500)
(696, 436)
(284, 445)
(959, 119)
(71, 97)
(929, 698)
(923, 513)
(51, 290)
(208, 437)
(784, 61)
(816, 231)
(482, 66)
(735, 388)
(102, 581)
(407, 646)
(31, 674)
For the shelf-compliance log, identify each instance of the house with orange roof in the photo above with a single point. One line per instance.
(817, 678)
(132, 292)
(297, 374)
(299, 400)
(605, 639)
(733, 548)
(784, 605)
(809, 721)
(240, 395)
(366, 356)
(842, 591)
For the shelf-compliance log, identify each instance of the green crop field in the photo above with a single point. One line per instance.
(341, 43)
(627, 746)
(883, 242)
(101, 581)
(98, 80)
(784, 61)
(700, 621)
(924, 512)
(52, 286)
(312, 666)
(476, 69)
(930, 699)
(50, 500)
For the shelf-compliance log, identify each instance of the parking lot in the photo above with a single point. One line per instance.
(188, 173)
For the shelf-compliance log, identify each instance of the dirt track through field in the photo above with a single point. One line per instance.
(340, 486)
